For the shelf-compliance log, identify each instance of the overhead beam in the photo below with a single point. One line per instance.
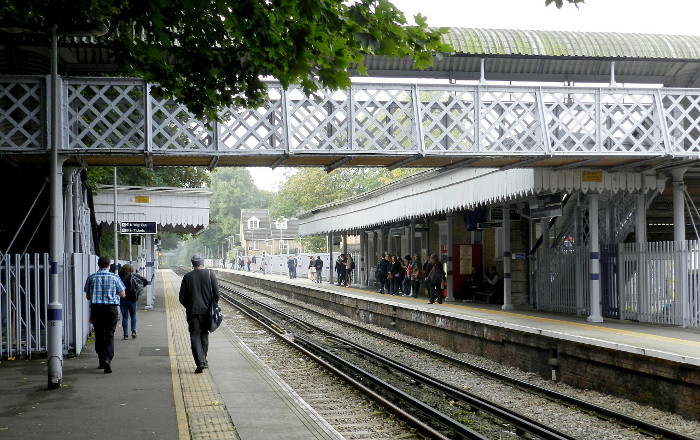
(337, 164)
(405, 162)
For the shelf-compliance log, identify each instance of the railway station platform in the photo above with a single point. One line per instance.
(153, 392)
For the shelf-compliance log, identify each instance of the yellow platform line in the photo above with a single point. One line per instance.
(559, 322)
(200, 412)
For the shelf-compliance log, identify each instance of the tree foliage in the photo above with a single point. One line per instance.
(172, 177)
(214, 53)
(313, 187)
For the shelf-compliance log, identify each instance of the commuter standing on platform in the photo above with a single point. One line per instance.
(291, 266)
(416, 275)
(434, 276)
(382, 273)
(104, 290)
(341, 269)
(350, 266)
(198, 289)
(318, 264)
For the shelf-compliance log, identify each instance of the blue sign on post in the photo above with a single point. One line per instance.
(137, 227)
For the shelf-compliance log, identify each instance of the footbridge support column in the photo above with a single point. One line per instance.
(594, 271)
(678, 204)
(507, 297)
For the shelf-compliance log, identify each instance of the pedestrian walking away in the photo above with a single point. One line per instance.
(104, 290)
(134, 283)
(198, 289)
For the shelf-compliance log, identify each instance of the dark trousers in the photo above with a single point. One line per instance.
(435, 291)
(104, 320)
(198, 326)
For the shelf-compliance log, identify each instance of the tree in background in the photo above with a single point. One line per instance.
(232, 190)
(171, 177)
(313, 187)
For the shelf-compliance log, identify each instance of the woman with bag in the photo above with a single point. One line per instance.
(433, 279)
(416, 275)
(134, 283)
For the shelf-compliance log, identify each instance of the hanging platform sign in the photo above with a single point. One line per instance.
(489, 225)
(138, 227)
(546, 211)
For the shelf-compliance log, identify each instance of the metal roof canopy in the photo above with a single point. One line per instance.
(178, 210)
(511, 55)
(442, 191)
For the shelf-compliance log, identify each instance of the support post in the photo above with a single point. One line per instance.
(678, 204)
(54, 344)
(596, 315)
(507, 300)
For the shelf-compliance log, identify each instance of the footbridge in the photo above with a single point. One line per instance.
(118, 122)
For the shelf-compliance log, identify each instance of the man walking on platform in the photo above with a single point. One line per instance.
(104, 289)
(198, 289)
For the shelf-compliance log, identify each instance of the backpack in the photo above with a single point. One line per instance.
(136, 285)
(435, 275)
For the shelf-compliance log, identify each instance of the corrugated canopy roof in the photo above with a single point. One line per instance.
(572, 44)
(511, 55)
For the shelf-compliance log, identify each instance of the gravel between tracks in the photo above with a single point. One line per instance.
(575, 423)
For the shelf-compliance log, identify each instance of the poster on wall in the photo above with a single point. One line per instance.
(465, 259)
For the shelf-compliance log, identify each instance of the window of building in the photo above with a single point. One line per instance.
(253, 223)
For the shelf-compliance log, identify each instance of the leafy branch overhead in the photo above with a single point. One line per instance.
(210, 54)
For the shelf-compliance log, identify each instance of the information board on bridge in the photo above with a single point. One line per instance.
(138, 227)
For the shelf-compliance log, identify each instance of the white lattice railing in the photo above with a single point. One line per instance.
(121, 114)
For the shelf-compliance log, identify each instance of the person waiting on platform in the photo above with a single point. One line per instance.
(318, 264)
(488, 291)
(349, 267)
(382, 273)
(396, 271)
(473, 282)
(434, 276)
(341, 270)
(416, 275)
(292, 267)
(311, 272)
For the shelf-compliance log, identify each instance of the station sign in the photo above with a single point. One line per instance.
(489, 225)
(496, 214)
(546, 211)
(138, 227)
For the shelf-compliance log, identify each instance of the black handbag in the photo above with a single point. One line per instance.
(215, 315)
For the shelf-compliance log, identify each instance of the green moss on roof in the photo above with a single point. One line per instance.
(575, 44)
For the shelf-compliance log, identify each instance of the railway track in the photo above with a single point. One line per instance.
(447, 409)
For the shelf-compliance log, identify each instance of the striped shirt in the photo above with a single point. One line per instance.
(104, 286)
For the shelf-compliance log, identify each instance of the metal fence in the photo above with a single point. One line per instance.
(24, 296)
(655, 282)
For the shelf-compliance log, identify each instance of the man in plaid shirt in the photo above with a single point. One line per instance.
(104, 289)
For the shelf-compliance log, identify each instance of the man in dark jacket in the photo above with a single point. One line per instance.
(198, 289)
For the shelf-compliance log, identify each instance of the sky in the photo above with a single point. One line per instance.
(678, 17)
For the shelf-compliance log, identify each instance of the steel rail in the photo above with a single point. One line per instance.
(591, 408)
(519, 421)
(274, 328)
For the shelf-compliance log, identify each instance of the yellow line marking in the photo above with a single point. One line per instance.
(557, 321)
(183, 426)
